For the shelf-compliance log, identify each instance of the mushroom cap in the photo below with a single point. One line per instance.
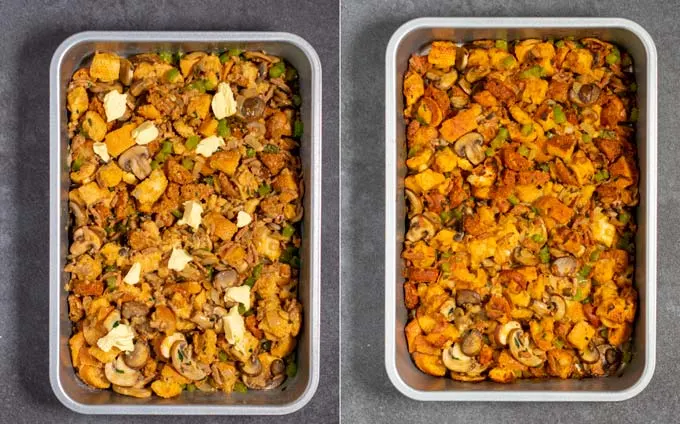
(257, 383)
(120, 374)
(590, 354)
(85, 240)
(136, 160)
(502, 331)
(521, 350)
(455, 360)
(472, 343)
(182, 361)
(225, 279)
(252, 367)
(564, 266)
(138, 357)
(467, 297)
(559, 306)
(420, 228)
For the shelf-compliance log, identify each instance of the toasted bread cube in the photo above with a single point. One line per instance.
(199, 106)
(581, 334)
(94, 376)
(151, 189)
(217, 224)
(105, 67)
(110, 175)
(226, 162)
(582, 168)
(414, 87)
(442, 54)
(561, 146)
(429, 364)
(120, 140)
(94, 126)
(77, 101)
(452, 129)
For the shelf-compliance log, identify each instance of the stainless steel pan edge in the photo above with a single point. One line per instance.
(400, 369)
(75, 395)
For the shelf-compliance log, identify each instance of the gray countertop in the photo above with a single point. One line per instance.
(31, 31)
(366, 393)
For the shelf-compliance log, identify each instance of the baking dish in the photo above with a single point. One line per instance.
(412, 37)
(296, 392)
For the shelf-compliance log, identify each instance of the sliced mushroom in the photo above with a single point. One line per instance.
(225, 279)
(447, 309)
(120, 374)
(503, 330)
(455, 360)
(182, 361)
(203, 321)
(468, 377)
(252, 367)
(138, 357)
(420, 228)
(521, 350)
(415, 204)
(140, 86)
(136, 160)
(461, 319)
(564, 266)
(540, 308)
(85, 240)
(105, 87)
(559, 306)
(525, 256)
(136, 392)
(168, 342)
(476, 73)
(610, 356)
(470, 146)
(461, 58)
(447, 80)
(472, 343)
(467, 297)
(257, 383)
(126, 71)
(590, 355)
(79, 215)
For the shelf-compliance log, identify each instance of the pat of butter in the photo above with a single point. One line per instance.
(208, 146)
(132, 277)
(239, 294)
(602, 230)
(101, 151)
(223, 103)
(114, 105)
(145, 133)
(179, 258)
(243, 219)
(192, 214)
(234, 327)
(120, 336)
(170, 340)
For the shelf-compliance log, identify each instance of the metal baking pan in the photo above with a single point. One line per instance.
(412, 37)
(296, 392)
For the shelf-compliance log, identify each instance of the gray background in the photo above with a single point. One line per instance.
(30, 34)
(366, 393)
